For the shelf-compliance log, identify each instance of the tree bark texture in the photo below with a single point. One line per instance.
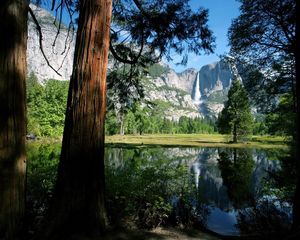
(13, 44)
(79, 202)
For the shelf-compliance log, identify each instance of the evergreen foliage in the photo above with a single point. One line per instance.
(263, 41)
(265, 35)
(281, 121)
(144, 31)
(236, 118)
(146, 120)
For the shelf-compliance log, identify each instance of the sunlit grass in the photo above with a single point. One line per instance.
(200, 140)
(193, 140)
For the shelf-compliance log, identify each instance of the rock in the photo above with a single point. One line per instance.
(60, 55)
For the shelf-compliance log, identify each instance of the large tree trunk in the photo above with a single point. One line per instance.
(79, 203)
(13, 44)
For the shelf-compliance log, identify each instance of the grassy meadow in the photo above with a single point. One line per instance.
(198, 140)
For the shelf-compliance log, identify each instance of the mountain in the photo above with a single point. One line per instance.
(60, 55)
(211, 86)
(190, 93)
(171, 91)
(205, 90)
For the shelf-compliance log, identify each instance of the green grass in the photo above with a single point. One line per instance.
(197, 140)
(188, 140)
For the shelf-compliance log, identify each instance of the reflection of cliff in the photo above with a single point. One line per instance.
(263, 165)
(221, 180)
(234, 183)
(218, 185)
(208, 180)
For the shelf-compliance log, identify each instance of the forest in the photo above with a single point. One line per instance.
(92, 158)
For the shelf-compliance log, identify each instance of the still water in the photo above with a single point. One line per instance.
(224, 190)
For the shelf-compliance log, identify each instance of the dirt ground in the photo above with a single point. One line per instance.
(160, 234)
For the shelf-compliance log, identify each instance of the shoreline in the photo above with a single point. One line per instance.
(185, 140)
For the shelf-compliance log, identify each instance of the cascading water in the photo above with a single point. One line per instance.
(196, 170)
(197, 93)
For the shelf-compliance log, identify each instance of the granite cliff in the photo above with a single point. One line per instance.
(190, 93)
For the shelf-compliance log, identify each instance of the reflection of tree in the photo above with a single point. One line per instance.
(264, 219)
(236, 166)
(189, 211)
(282, 181)
(269, 215)
(158, 191)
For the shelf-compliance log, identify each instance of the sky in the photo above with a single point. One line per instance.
(221, 13)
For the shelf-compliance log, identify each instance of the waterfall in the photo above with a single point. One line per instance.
(197, 93)
(196, 171)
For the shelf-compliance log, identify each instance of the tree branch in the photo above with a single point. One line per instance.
(38, 27)
(53, 4)
(142, 10)
(120, 59)
(59, 23)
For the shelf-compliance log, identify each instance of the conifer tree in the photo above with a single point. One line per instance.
(236, 118)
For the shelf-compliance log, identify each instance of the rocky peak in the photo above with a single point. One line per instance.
(215, 77)
(183, 80)
(188, 76)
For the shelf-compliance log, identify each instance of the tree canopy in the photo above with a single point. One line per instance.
(46, 106)
(263, 36)
(265, 31)
(158, 26)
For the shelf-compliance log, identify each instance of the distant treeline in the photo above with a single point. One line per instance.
(46, 106)
(141, 123)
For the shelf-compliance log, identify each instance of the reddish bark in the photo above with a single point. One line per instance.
(79, 201)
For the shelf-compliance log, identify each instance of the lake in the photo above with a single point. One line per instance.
(221, 189)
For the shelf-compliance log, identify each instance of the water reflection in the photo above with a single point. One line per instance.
(219, 189)
(236, 166)
(216, 188)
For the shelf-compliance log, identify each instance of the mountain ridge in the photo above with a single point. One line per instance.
(177, 89)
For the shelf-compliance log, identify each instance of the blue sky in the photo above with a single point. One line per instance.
(221, 13)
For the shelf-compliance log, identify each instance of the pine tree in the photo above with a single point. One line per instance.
(236, 118)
